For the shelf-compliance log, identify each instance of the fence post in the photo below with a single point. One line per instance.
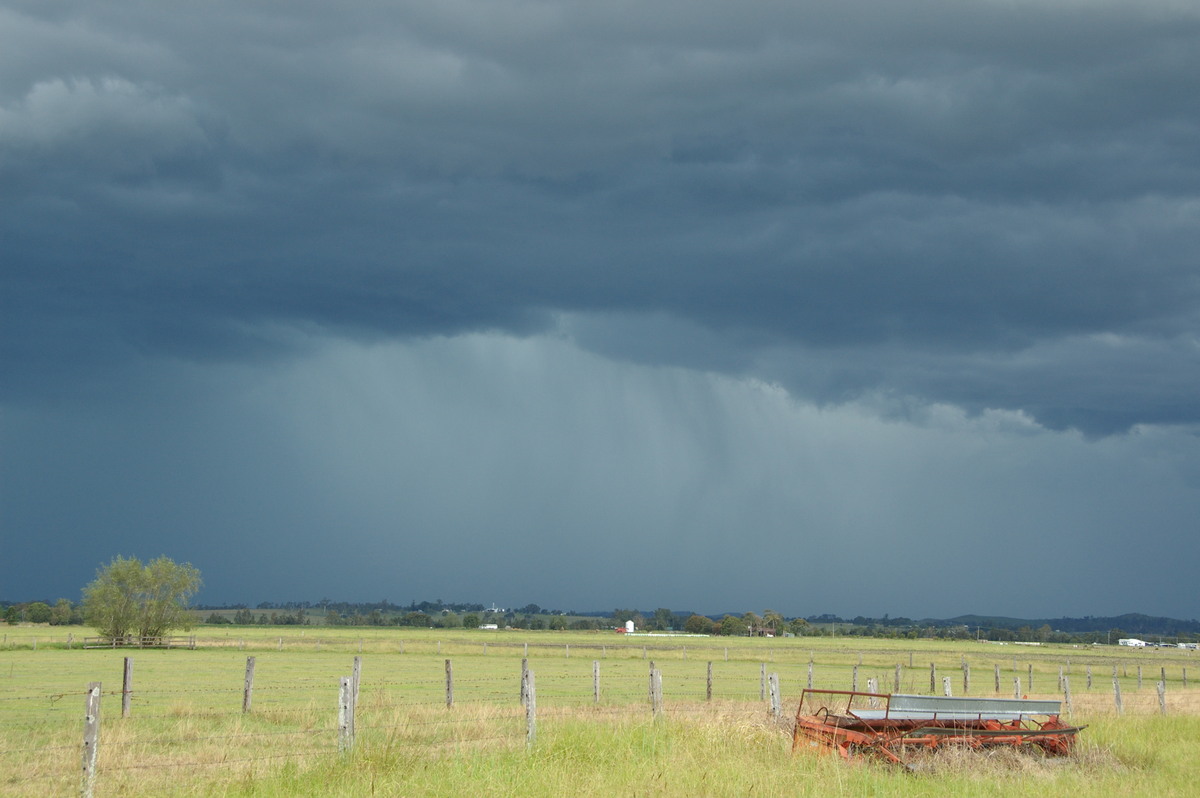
(345, 715)
(1031, 677)
(932, 678)
(1067, 693)
(762, 680)
(524, 681)
(568, 650)
(854, 679)
(810, 674)
(650, 683)
(776, 707)
(708, 685)
(91, 739)
(529, 691)
(1061, 676)
(248, 690)
(596, 681)
(996, 668)
(127, 688)
(656, 692)
(1117, 694)
(896, 683)
(355, 675)
(1139, 677)
(1016, 687)
(946, 686)
(966, 668)
(449, 684)
(1089, 677)
(1162, 697)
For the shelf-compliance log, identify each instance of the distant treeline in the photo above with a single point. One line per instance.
(442, 614)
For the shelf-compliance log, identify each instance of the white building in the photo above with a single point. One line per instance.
(1131, 641)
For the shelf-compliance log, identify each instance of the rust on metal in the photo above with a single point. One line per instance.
(885, 725)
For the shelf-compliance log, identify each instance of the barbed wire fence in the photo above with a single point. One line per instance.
(73, 740)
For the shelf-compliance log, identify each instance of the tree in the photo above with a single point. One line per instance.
(37, 612)
(698, 625)
(129, 598)
(772, 621)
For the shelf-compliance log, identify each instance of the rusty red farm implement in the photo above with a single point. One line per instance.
(885, 725)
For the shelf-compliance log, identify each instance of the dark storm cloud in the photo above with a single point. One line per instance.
(927, 181)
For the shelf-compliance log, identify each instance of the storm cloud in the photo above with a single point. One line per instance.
(683, 304)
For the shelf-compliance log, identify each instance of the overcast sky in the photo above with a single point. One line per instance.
(866, 307)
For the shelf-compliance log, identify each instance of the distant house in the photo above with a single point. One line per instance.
(1131, 641)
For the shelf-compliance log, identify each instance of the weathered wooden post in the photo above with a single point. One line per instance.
(708, 683)
(896, 683)
(810, 674)
(656, 692)
(1016, 687)
(1117, 695)
(966, 668)
(345, 715)
(524, 681)
(248, 689)
(873, 688)
(650, 683)
(1030, 677)
(127, 688)
(596, 681)
(932, 678)
(854, 679)
(355, 677)
(1139, 677)
(1067, 693)
(91, 739)
(996, 668)
(1162, 697)
(530, 692)
(449, 684)
(946, 686)
(1089, 677)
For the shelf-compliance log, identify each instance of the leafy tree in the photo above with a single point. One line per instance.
(772, 621)
(129, 598)
(62, 613)
(731, 625)
(799, 626)
(471, 620)
(37, 612)
(698, 625)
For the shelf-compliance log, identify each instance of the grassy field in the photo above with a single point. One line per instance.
(187, 733)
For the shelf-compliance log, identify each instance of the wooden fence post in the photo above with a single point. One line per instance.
(345, 715)
(596, 681)
(524, 681)
(355, 677)
(946, 686)
(708, 685)
(530, 692)
(966, 668)
(996, 668)
(810, 675)
(1031, 677)
(1089, 677)
(1162, 697)
(1139, 677)
(1117, 693)
(656, 692)
(91, 739)
(248, 690)
(650, 683)
(127, 688)
(776, 703)
(896, 683)
(762, 680)
(932, 678)
(1016, 687)
(1067, 693)
(854, 679)
(449, 684)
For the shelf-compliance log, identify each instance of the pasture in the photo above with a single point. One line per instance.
(187, 733)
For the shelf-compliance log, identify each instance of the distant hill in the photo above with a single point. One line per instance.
(1132, 623)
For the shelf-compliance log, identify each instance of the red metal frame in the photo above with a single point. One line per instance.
(877, 732)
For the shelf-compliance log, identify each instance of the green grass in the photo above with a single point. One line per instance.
(187, 734)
